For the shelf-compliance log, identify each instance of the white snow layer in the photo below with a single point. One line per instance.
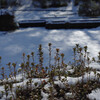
(13, 44)
(69, 80)
(95, 95)
(5, 11)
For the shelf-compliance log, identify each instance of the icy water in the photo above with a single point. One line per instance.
(13, 44)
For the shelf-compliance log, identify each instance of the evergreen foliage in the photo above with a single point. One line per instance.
(7, 22)
(7, 3)
(50, 3)
(90, 8)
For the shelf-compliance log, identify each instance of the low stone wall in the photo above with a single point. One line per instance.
(32, 23)
(76, 24)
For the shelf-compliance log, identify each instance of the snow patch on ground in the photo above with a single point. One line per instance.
(69, 80)
(95, 95)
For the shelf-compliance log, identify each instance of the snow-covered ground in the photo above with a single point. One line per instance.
(13, 44)
(69, 80)
(29, 12)
(95, 94)
(68, 12)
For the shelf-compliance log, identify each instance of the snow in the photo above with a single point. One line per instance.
(24, 85)
(95, 65)
(74, 80)
(5, 11)
(32, 21)
(13, 44)
(32, 13)
(69, 81)
(69, 95)
(44, 95)
(3, 33)
(56, 22)
(85, 21)
(46, 87)
(94, 95)
(25, 2)
(49, 14)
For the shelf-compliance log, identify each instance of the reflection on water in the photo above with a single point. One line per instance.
(13, 44)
